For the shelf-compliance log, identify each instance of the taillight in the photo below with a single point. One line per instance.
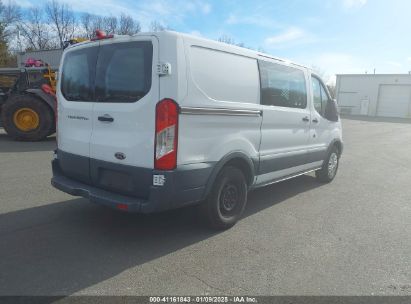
(165, 157)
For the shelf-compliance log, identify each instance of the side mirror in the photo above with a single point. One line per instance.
(331, 110)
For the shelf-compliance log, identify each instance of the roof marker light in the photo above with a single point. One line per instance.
(101, 35)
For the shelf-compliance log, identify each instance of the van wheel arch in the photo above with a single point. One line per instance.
(336, 143)
(238, 160)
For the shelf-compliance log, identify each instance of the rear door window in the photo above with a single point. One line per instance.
(118, 72)
(124, 71)
(79, 69)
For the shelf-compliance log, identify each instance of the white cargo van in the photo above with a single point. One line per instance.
(163, 120)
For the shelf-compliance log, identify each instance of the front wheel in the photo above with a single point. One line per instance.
(330, 166)
(226, 201)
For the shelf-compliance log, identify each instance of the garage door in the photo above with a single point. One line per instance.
(394, 101)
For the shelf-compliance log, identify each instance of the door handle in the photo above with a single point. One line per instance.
(315, 120)
(106, 118)
(305, 119)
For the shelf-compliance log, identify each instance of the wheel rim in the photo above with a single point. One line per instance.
(332, 165)
(26, 119)
(228, 199)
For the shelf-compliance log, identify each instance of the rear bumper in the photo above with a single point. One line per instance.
(184, 186)
(97, 195)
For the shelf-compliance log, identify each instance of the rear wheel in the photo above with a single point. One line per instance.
(330, 166)
(27, 118)
(226, 201)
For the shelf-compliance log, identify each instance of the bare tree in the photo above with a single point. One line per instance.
(110, 24)
(35, 30)
(128, 26)
(230, 40)
(86, 21)
(10, 14)
(62, 20)
(97, 24)
(156, 26)
(226, 39)
(123, 25)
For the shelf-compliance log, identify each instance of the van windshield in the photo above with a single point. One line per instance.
(119, 72)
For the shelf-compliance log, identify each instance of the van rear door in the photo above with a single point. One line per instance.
(75, 97)
(126, 92)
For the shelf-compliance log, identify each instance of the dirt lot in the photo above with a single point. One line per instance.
(351, 237)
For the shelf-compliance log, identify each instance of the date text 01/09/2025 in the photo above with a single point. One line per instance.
(203, 299)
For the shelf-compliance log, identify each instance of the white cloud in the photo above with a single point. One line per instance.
(289, 38)
(144, 11)
(206, 8)
(345, 63)
(409, 59)
(257, 20)
(290, 34)
(349, 4)
(334, 63)
(25, 4)
(339, 62)
(393, 63)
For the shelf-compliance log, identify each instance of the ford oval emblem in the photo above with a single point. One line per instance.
(120, 155)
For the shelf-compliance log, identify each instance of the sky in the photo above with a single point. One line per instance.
(334, 36)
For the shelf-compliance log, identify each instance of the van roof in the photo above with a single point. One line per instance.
(237, 49)
(243, 50)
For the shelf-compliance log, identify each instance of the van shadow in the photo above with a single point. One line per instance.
(9, 145)
(64, 247)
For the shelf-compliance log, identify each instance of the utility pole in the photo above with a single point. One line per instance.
(19, 46)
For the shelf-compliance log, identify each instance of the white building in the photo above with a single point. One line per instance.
(386, 95)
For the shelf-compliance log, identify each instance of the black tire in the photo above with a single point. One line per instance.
(227, 199)
(45, 115)
(53, 130)
(330, 166)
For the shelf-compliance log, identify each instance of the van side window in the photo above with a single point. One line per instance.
(323, 104)
(324, 98)
(317, 96)
(282, 86)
